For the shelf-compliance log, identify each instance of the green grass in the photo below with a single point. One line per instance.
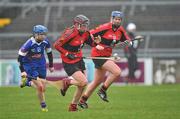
(126, 102)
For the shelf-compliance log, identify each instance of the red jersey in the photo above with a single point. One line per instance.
(109, 37)
(71, 41)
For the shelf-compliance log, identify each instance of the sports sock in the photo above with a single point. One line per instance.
(43, 105)
(28, 83)
(103, 88)
(84, 98)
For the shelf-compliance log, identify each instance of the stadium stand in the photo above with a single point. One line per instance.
(157, 20)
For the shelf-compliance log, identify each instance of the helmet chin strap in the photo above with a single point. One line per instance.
(79, 29)
(79, 26)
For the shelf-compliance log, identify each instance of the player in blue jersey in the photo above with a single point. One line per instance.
(33, 63)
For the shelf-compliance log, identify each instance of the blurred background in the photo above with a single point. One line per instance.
(157, 20)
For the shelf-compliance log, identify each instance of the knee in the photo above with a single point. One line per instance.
(117, 73)
(83, 83)
(41, 88)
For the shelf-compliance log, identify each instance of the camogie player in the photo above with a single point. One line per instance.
(70, 45)
(111, 33)
(33, 63)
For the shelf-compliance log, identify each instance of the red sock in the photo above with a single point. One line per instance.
(73, 107)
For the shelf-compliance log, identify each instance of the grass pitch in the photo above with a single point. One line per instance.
(126, 102)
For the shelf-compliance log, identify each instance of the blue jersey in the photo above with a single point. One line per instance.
(33, 52)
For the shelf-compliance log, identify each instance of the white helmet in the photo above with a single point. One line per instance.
(131, 27)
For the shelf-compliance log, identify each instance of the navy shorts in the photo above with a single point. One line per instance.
(70, 69)
(99, 62)
(35, 71)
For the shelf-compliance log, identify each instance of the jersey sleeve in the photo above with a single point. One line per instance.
(25, 48)
(48, 46)
(64, 38)
(100, 30)
(90, 40)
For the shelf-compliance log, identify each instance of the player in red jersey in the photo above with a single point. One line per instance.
(111, 33)
(70, 46)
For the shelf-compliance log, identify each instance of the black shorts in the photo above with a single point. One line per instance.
(72, 68)
(99, 62)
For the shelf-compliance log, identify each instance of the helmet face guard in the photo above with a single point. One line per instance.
(115, 15)
(82, 21)
(40, 29)
(39, 32)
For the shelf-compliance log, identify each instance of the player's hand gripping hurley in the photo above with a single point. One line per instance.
(128, 42)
